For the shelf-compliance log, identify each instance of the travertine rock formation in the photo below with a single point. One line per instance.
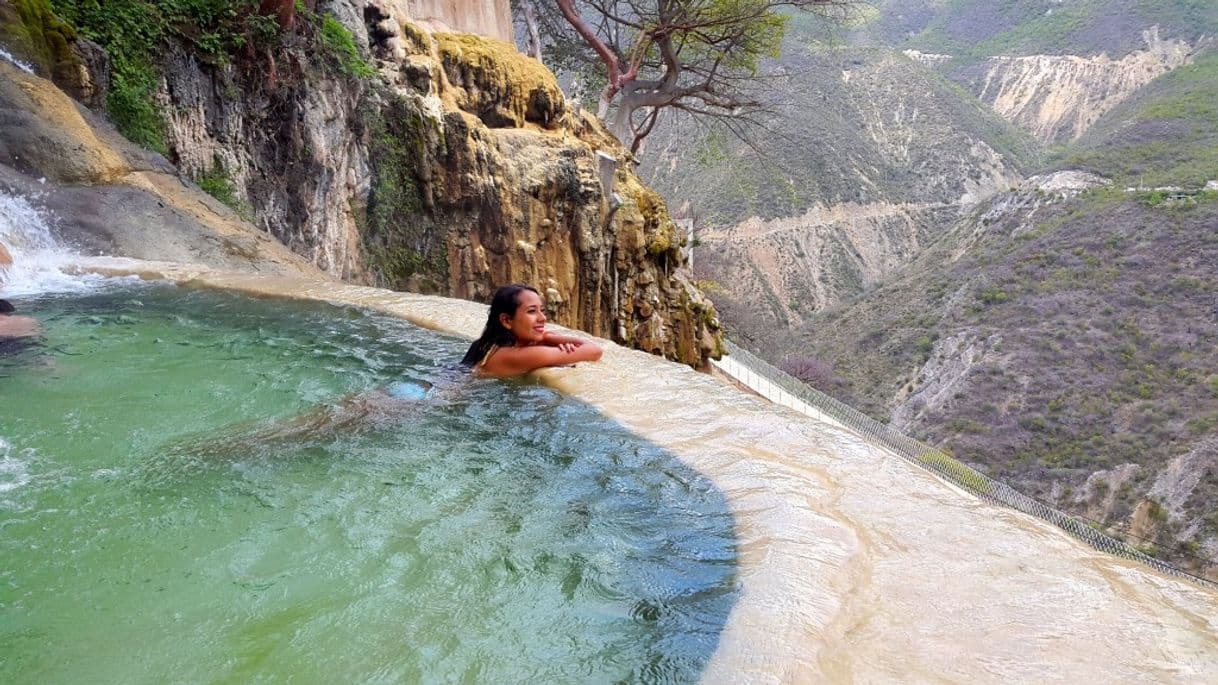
(108, 196)
(490, 18)
(507, 179)
(454, 168)
(800, 265)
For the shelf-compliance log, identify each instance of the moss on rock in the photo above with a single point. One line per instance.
(33, 32)
(404, 246)
(502, 87)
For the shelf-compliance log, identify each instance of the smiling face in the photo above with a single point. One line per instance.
(528, 324)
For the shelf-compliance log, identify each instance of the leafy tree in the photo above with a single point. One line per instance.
(696, 56)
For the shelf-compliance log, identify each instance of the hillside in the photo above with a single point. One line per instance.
(974, 30)
(1056, 332)
(850, 124)
(867, 162)
(1068, 350)
(1166, 135)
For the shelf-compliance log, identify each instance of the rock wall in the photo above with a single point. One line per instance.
(108, 196)
(1058, 97)
(510, 175)
(451, 166)
(490, 18)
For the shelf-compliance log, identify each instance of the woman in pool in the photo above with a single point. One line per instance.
(513, 343)
(515, 340)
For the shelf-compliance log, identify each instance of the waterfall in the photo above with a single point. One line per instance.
(39, 260)
(5, 55)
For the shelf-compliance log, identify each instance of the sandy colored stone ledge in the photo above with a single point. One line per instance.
(854, 565)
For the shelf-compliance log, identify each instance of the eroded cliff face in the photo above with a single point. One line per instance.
(797, 266)
(882, 156)
(510, 175)
(490, 18)
(1058, 97)
(452, 165)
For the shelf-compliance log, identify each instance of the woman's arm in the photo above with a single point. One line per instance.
(564, 342)
(513, 361)
(555, 339)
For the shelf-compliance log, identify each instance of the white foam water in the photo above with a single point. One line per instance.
(13, 472)
(40, 262)
(8, 57)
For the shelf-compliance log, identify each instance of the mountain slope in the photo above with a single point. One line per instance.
(1061, 335)
(1166, 135)
(1068, 349)
(878, 161)
(974, 30)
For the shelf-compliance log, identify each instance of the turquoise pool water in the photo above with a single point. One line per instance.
(191, 490)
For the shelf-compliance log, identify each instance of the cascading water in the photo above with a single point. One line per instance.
(5, 55)
(40, 261)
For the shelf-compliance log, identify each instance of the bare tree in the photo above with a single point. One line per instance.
(696, 56)
(534, 34)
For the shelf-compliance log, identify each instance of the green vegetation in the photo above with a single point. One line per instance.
(340, 45)
(399, 235)
(134, 32)
(218, 183)
(993, 296)
(973, 30)
(1167, 135)
(129, 31)
(957, 472)
(33, 32)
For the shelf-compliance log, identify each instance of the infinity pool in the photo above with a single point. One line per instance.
(186, 497)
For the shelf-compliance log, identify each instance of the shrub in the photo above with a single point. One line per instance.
(340, 45)
(812, 371)
(217, 182)
(993, 296)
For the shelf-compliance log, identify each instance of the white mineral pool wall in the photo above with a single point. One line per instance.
(855, 566)
(770, 391)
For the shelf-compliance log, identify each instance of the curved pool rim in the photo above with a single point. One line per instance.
(853, 565)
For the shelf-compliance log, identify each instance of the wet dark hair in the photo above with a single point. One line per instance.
(7, 307)
(505, 301)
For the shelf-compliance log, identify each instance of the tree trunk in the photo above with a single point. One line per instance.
(530, 22)
(621, 121)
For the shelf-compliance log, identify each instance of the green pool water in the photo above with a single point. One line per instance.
(164, 517)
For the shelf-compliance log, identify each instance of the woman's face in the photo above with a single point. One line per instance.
(529, 322)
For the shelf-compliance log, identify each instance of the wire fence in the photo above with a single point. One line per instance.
(782, 388)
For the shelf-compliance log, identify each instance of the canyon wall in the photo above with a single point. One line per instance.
(1058, 97)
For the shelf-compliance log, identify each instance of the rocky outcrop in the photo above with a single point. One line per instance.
(1058, 97)
(107, 196)
(447, 163)
(490, 18)
(791, 268)
(510, 176)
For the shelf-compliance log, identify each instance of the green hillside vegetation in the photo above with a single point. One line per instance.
(973, 30)
(134, 32)
(1166, 135)
(811, 152)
